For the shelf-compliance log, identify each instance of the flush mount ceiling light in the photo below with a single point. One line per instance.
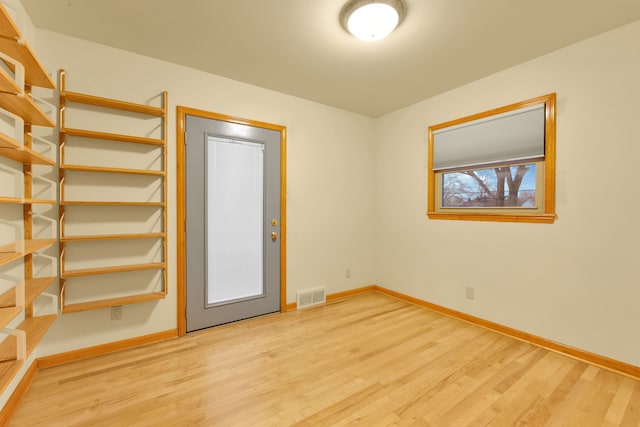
(371, 20)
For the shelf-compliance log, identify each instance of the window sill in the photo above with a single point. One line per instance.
(546, 218)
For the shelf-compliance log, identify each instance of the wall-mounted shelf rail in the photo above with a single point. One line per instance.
(79, 169)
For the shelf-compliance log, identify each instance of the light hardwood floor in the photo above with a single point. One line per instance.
(368, 360)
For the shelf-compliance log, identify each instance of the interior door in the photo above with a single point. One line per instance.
(232, 221)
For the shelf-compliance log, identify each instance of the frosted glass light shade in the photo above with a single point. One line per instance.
(371, 20)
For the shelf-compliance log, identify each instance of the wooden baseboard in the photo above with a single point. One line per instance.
(576, 353)
(99, 350)
(338, 295)
(18, 394)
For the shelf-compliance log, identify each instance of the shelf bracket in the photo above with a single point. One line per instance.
(18, 71)
(21, 342)
(53, 301)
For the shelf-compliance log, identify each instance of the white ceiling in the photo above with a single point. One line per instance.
(298, 46)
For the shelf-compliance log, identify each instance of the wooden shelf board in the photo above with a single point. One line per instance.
(8, 370)
(21, 201)
(111, 237)
(115, 269)
(35, 328)
(115, 104)
(35, 74)
(7, 314)
(32, 288)
(14, 150)
(111, 136)
(25, 156)
(8, 142)
(83, 168)
(8, 299)
(7, 26)
(25, 107)
(112, 302)
(108, 203)
(7, 84)
(8, 254)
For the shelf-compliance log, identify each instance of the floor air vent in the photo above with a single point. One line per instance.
(310, 297)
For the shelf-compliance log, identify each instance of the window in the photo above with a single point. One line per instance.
(495, 166)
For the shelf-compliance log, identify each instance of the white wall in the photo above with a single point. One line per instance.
(576, 281)
(329, 174)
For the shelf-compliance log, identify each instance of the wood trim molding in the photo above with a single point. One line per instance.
(576, 353)
(548, 216)
(99, 350)
(181, 113)
(9, 409)
(181, 226)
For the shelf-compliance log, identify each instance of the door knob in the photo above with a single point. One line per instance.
(274, 235)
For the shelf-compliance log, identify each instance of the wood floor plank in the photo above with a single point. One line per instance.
(632, 413)
(367, 360)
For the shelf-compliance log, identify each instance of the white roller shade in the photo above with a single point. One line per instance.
(509, 137)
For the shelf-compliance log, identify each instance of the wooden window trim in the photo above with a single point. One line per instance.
(548, 215)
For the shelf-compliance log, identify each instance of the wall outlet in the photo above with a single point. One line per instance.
(116, 313)
(469, 292)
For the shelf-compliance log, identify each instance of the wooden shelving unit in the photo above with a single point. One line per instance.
(67, 133)
(19, 299)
